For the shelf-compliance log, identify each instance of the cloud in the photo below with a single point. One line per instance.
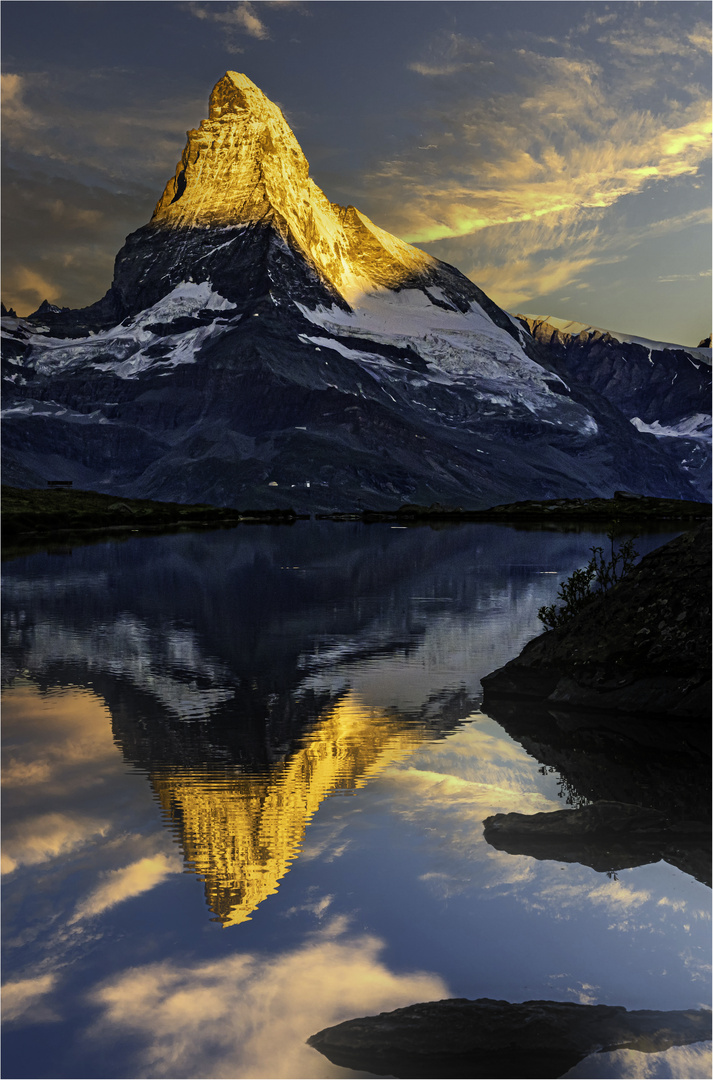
(246, 18)
(525, 178)
(665, 280)
(248, 1014)
(45, 837)
(23, 996)
(27, 287)
(693, 1062)
(564, 145)
(656, 37)
(56, 741)
(435, 69)
(317, 907)
(241, 17)
(16, 115)
(113, 132)
(521, 279)
(130, 881)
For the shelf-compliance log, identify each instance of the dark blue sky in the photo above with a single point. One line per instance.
(557, 153)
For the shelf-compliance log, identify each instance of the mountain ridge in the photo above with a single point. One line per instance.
(261, 345)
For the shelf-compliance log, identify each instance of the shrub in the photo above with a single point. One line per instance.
(591, 581)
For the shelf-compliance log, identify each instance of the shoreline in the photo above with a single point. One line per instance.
(33, 515)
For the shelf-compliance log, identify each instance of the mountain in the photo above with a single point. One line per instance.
(663, 389)
(261, 346)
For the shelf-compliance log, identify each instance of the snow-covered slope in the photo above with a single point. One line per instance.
(261, 345)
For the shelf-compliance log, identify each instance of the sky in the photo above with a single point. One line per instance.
(559, 154)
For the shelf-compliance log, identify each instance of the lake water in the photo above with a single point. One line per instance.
(245, 775)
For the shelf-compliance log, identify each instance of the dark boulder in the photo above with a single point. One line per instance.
(494, 1039)
(607, 836)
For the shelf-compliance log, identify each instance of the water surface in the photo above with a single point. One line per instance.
(245, 775)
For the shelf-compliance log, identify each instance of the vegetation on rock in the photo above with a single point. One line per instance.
(590, 581)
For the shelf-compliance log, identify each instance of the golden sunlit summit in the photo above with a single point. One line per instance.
(244, 166)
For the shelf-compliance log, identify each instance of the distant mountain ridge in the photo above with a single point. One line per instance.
(262, 346)
(663, 389)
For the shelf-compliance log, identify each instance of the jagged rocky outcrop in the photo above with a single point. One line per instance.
(500, 1039)
(642, 647)
(660, 388)
(262, 346)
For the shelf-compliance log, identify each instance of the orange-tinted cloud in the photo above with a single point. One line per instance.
(127, 882)
(249, 1015)
(23, 996)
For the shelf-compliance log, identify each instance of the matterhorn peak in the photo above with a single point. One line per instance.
(244, 166)
(236, 93)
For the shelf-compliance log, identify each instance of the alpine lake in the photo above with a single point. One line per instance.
(245, 778)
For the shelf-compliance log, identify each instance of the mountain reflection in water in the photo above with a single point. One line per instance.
(190, 703)
(241, 829)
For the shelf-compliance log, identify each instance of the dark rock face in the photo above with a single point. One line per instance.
(662, 386)
(499, 1039)
(643, 647)
(607, 836)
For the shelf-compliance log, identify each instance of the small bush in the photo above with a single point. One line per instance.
(591, 581)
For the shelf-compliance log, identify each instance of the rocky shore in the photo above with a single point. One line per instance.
(643, 647)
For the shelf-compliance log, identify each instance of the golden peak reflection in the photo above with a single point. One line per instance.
(241, 830)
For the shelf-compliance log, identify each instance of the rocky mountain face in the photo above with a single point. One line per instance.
(661, 388)
(261, 346)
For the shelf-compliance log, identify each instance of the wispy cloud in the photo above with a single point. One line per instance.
(23, 996)
(133, 880)
(241, 17)
(649, 38)
(119, 137)
(667, 279)
(39, 839)
(529, 175)
(563, 149)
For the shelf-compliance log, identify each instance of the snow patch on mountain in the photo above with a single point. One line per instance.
(30, 407)
(131, 347)
(454, 342)
(697, 426)
(462, 350)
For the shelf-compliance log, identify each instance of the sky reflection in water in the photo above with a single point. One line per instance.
(184, 708)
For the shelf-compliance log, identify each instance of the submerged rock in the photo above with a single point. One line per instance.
(642, 647)
(607, 836)
(499, 1039)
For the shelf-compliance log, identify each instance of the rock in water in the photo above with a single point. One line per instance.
(262, 346)
(499, 1039)
(607, 836)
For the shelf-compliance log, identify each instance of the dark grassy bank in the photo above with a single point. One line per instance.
(29, 515)
(625, 506)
